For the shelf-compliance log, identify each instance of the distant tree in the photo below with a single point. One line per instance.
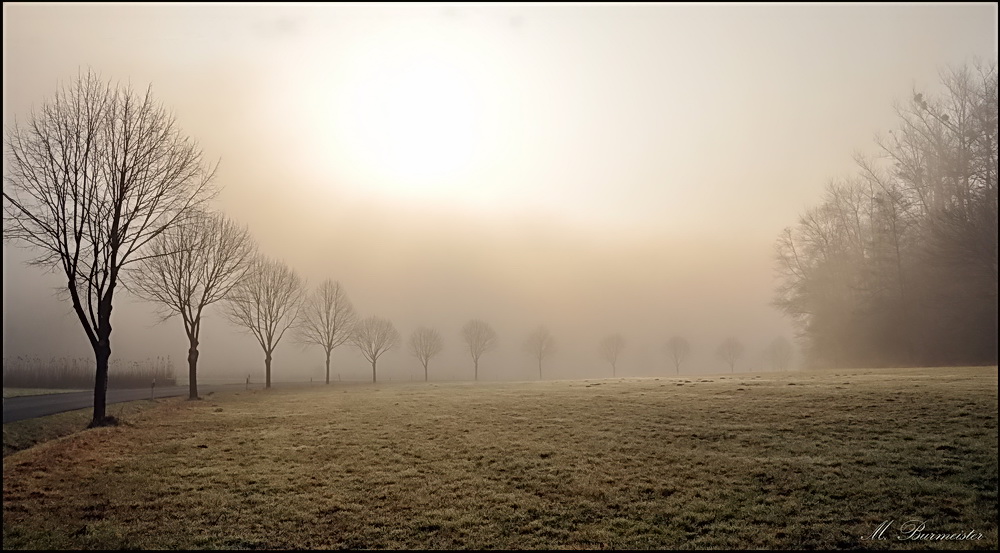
(730, 351)
(540, 344)
(612, 347)
(191, 266)
(96, 174)
(374, 336)
(266, 303)
(425, 343)
(780, 353)
(678, 349)
(897, 265)
(327, 319)
(480, 337)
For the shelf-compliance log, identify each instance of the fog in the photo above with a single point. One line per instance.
(596, 169)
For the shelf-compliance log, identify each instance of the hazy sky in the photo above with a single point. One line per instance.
(593, 168)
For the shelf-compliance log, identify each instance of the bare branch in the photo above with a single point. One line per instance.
(480, 337)
(96, 174)
(678, 349)
(374, 336)
(327, 318)
(266, 302)
(425, 343)
(540, 344)
(190, 266)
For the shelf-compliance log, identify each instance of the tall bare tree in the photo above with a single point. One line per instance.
(730, 350)
(327, 319)
(611, 348)
(374, 336)
(266, 303)
(190, 267)
(425, 343)
(95, 175)
(480, 337)
(678, 349)
(898, 264)
(779, 351)
(540, 344)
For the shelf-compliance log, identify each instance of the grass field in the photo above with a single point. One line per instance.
(26, 433)
(790, 461)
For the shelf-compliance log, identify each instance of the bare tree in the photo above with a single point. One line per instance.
(540, 344)
(425, 343)
(95, 175)
(780, 353)
(730, 351)
(327, 319)
(190, 267)
(266, 303)
(611, 348)
(374, 336)
(481, 338)
(897, 265)
(678, 349)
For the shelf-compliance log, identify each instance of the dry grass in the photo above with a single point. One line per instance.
(30, 432)
(790, 461)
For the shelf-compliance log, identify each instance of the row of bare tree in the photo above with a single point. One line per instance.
(104, 185)
(898, 264)
(91, 180)
(209, 258)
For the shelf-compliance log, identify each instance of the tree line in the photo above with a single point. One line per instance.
(105, 186)
(897, 265)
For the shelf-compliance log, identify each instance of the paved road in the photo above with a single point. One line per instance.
(29, 407)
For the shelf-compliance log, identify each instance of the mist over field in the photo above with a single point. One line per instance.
(677, 276)
(592, 169)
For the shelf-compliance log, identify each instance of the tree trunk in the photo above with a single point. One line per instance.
(425, 372)
(539, 369)
(373, 372)
(267, 370)
(193, 367)
(476, 363)
(614, 371)
(328, 367)
(103, 354)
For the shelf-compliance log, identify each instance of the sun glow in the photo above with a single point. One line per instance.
(411, 113)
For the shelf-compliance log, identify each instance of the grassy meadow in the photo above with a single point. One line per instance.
(770, 461)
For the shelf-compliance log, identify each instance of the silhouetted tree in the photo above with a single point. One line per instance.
(95, 175)
(898, 265)
(480, 337)
(374, 336)
(678, 349)
(730, 351)
(425, 343)
(612, 347)
(191, 266)
(540, 344)
(266, 303)
(327, 319)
